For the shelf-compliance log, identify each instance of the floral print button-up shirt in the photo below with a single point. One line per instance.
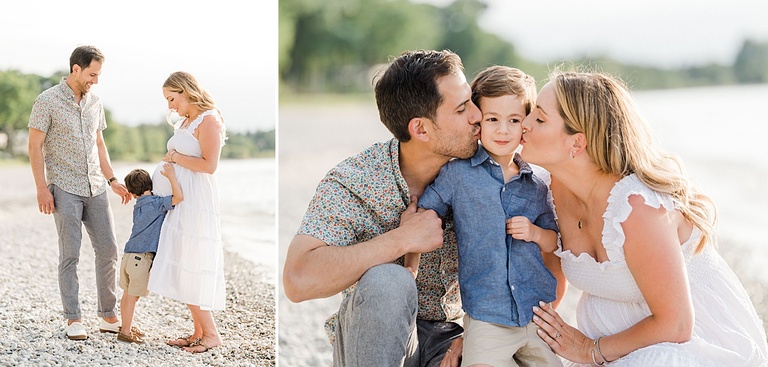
(363, 197)
(70, 151)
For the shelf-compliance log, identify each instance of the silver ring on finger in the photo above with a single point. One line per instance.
(558, 335)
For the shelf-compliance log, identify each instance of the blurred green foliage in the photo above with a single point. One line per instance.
(337, 46)
(145, 142)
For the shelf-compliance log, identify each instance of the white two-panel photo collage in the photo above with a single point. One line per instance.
(365, 183)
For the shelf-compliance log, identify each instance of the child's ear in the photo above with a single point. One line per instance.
(417, 128)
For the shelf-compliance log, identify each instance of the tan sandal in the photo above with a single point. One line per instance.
(198, 343)
(133, 338)
(186, 343)
(134, 330)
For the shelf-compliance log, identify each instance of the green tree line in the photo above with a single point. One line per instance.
(333, 46)
(145, 142)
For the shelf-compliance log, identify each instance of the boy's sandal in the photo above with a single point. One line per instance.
(134, 330)
(199, 343)
(133, 338)
(186, 342)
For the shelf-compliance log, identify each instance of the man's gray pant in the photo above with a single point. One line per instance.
(377, 324)
(71, 213)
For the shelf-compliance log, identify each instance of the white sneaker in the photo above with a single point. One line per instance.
(76, 331)
(106, 327)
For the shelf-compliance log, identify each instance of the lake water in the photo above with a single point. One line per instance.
(724, 124)
(721, 133)
(247, 190)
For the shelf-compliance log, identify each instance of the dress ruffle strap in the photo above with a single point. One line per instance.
(618, 211)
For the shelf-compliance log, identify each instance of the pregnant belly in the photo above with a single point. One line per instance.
(160, 184)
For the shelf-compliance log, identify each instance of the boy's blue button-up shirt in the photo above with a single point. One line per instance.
(148, 216)
(500, 278)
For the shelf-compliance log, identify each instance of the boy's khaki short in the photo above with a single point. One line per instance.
(505, 346)
(134, 273)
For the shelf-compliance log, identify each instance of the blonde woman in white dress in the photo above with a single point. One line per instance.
(189, 265)
(636, 238)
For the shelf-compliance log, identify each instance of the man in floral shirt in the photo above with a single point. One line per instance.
(363, 219)
(72, 170)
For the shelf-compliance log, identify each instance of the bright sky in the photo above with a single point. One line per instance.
(662, 33)
(229, 45)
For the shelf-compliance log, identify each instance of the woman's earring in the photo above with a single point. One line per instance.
(525, 130)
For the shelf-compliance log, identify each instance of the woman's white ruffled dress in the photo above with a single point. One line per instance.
(189, 264)
(727, 331)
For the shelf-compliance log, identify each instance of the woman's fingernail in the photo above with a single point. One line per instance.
(536, 318)
(542, 303)
(535, 309)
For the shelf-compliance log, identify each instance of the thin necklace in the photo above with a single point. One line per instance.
(188, 121)
(584, 204)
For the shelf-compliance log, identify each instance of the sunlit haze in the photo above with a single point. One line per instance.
(659, 33)
(231, 48)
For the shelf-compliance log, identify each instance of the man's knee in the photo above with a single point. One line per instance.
(388, 283)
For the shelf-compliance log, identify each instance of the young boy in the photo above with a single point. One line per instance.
(501, 277)
(148, 215)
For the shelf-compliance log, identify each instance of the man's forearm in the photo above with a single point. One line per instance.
(36, 157)
(316, 270)
(104, 162)
(37, 162)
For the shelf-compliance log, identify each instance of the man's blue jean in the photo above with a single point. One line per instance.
(377, 324)
(71, 213)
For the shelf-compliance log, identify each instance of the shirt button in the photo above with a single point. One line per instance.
(512, 287)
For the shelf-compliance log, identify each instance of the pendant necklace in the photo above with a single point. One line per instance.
(584, 205)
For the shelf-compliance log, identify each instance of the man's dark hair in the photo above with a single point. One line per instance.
(408, 88)
(138, 181)
(83, 56)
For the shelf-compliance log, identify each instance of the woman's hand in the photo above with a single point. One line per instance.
(452, 357)
(565, 340)
(170, 155)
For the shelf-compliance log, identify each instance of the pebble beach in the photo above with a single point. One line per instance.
(30, 305)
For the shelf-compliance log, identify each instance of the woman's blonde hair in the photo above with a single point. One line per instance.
(186, 84)
(620, 142)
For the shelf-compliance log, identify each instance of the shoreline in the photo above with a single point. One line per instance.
(30, 304)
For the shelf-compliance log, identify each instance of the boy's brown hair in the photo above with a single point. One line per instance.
(138, 181)
(498, 80)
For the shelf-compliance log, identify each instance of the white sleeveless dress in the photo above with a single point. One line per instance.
(727, 330)
(189, 264)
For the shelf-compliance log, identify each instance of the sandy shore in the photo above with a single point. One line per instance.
(30, 305)
(312, 140)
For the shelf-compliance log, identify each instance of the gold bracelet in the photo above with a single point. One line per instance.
(172, 153)
(599, 352)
